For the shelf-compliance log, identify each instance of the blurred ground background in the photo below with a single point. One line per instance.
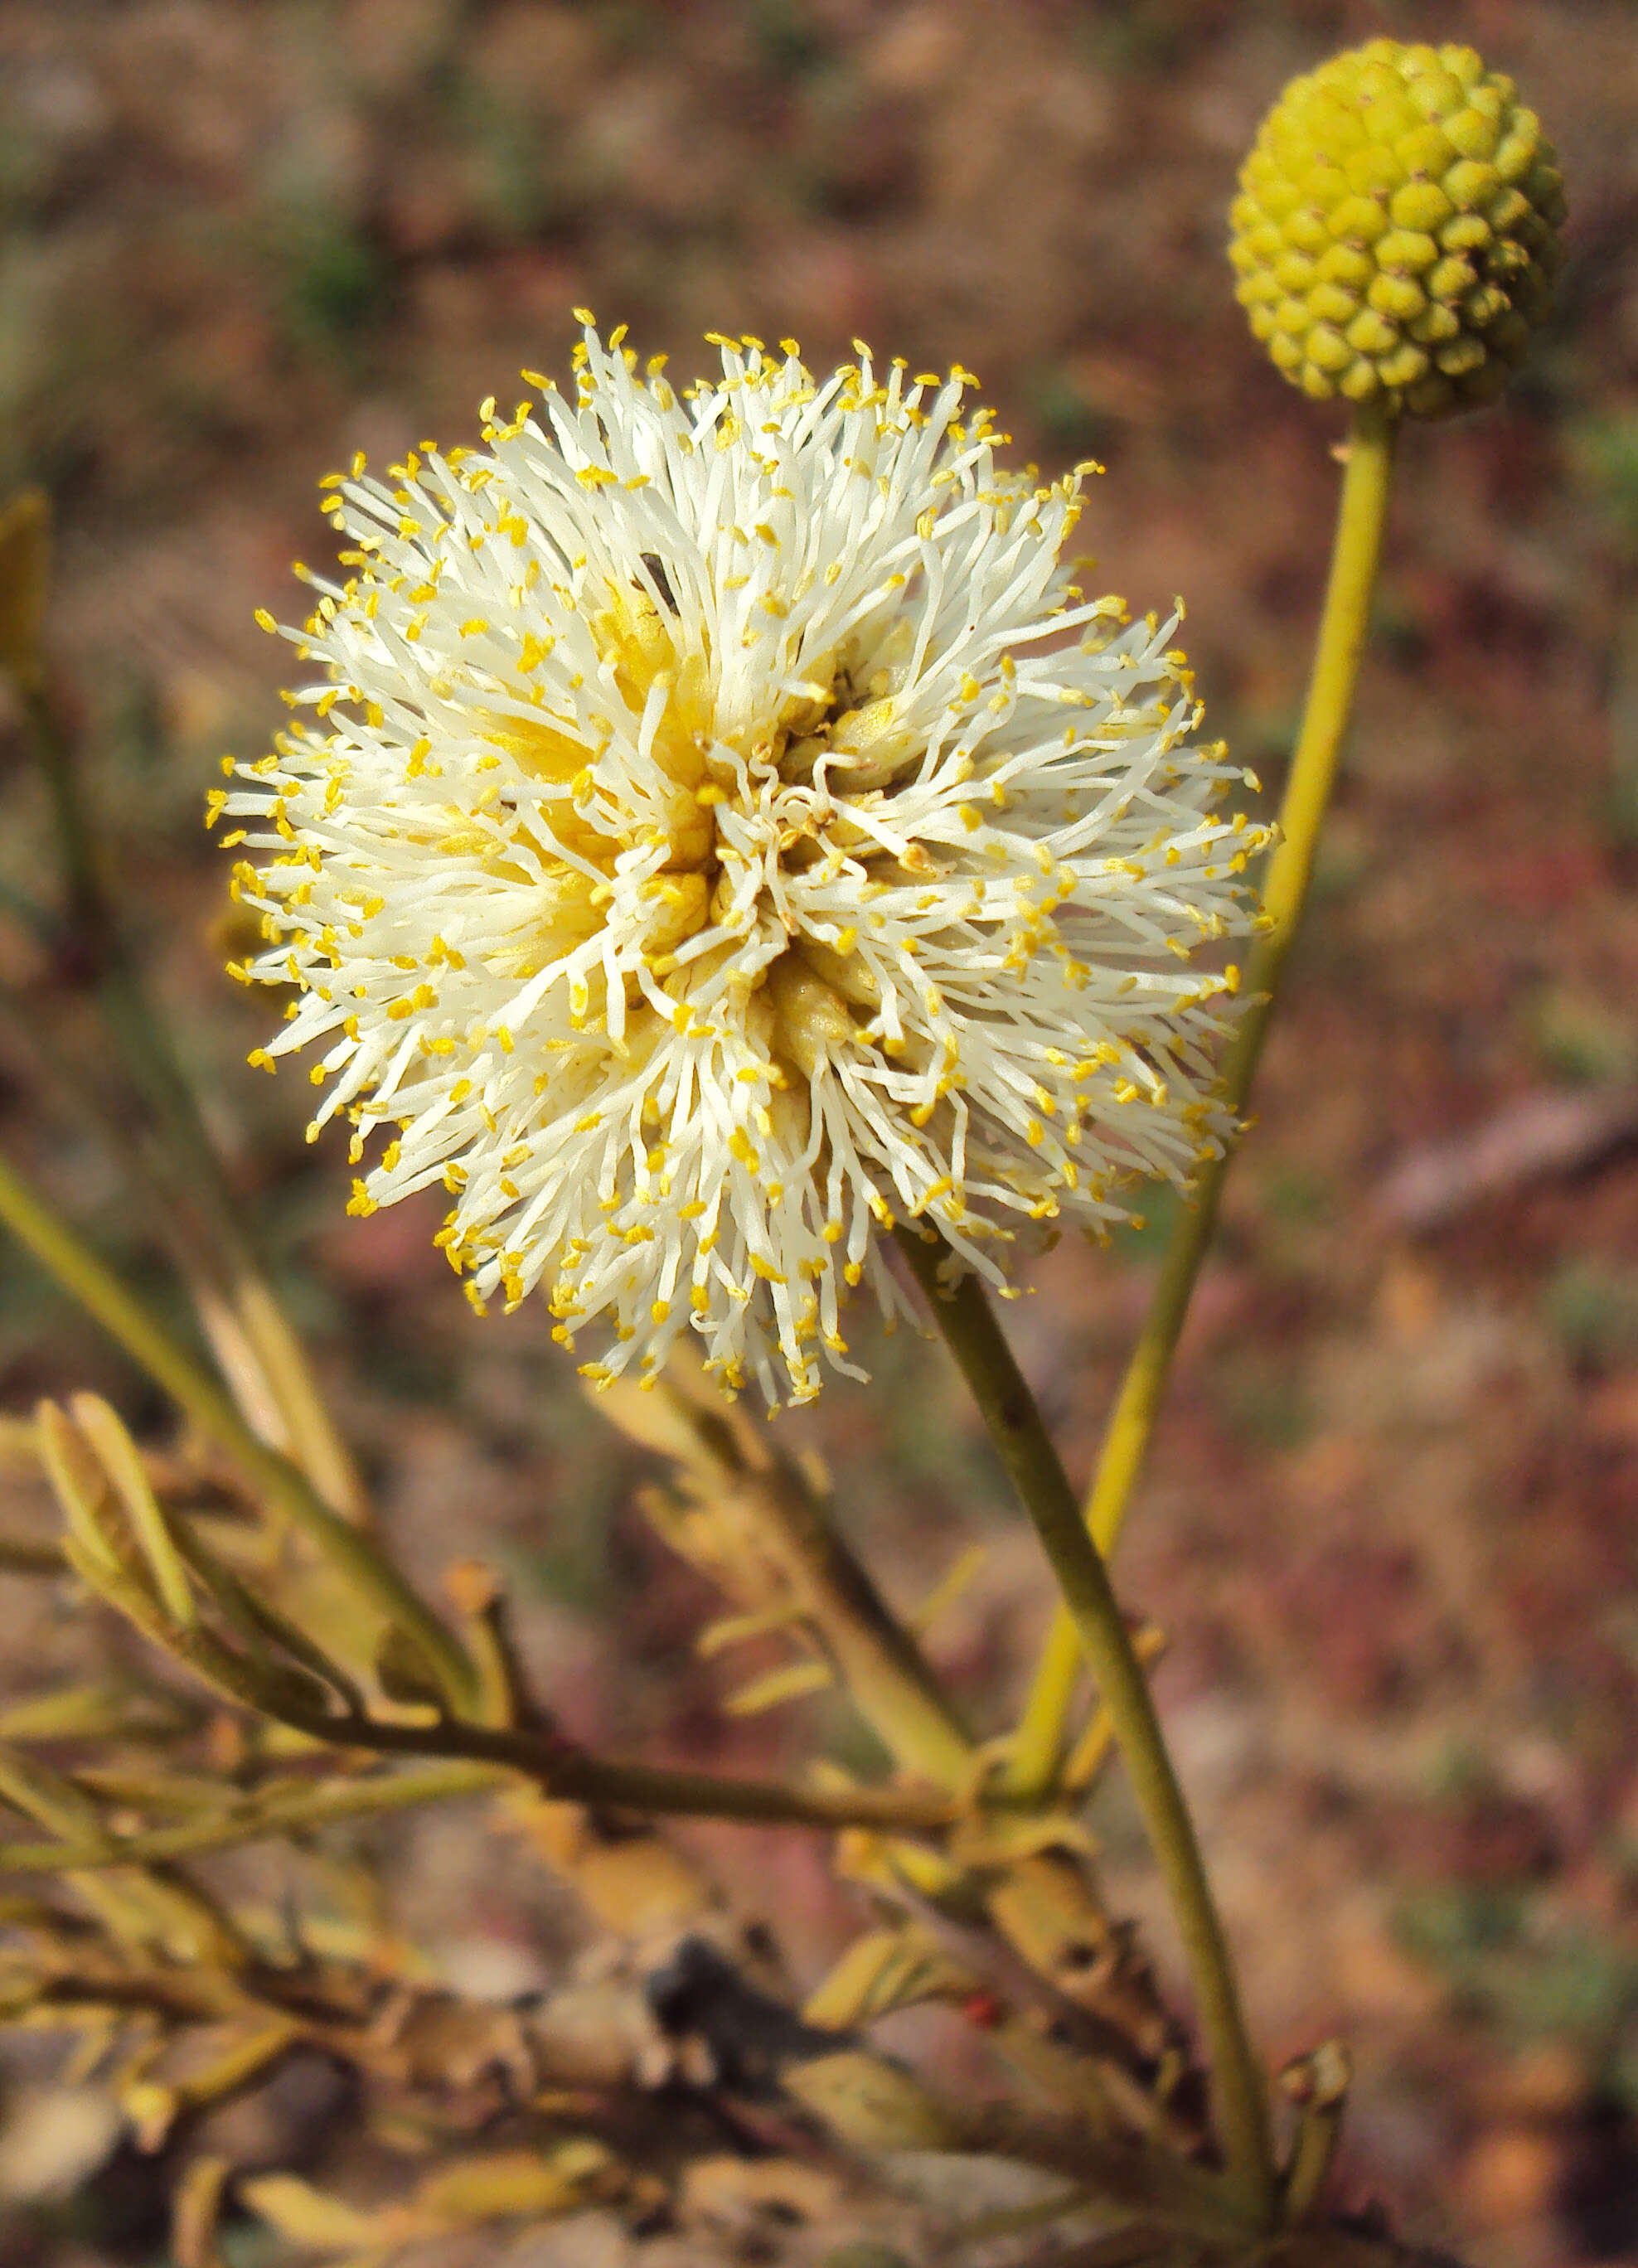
(1390, 1523)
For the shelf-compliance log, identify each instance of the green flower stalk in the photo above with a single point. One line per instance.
(1396, 239)
(1397, 233)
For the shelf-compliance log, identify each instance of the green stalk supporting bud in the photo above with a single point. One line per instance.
(1397, 232)
(1396, 189)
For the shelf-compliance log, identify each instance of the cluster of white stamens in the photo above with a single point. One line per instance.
(726, 829)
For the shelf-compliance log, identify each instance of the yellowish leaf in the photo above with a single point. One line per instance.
(779, 1685)
(307, 2216)
(733, 1629)
(512, 2183)
(1003, 1838)
(72, 1712)
(82, 1491)
(737, 2191)
(884, 1969)
(101, 1426)
(151, 2110)
(873, 2104)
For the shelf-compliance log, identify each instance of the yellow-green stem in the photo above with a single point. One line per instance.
(975, 1339)
(284, 1485)
(1356, 555)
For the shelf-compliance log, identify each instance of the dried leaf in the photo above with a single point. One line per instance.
(886, 1863)
(653, 1421)
(445, 2042)
(873, 2104)
(307, 2216)
(208, 2061)
(740, 2191)
(734, 1630)
(73, 1712)
(152, 2111)
(637, 1886)
(101, 1426)
(187, 1795)
(514, 2182)
(81, 1488)
(884, 1969)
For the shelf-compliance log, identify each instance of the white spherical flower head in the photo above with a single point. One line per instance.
(725, 830)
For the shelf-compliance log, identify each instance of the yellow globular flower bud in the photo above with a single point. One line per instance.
(1396, 230)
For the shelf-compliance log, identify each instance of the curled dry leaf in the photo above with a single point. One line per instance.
(466, 2193)
(884, 1969)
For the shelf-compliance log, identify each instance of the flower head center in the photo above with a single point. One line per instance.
(720, 830)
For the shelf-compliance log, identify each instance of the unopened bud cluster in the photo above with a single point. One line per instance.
(1396, 235)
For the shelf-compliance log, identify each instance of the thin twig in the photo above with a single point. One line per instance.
(476, 1758)
(295, 1811)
